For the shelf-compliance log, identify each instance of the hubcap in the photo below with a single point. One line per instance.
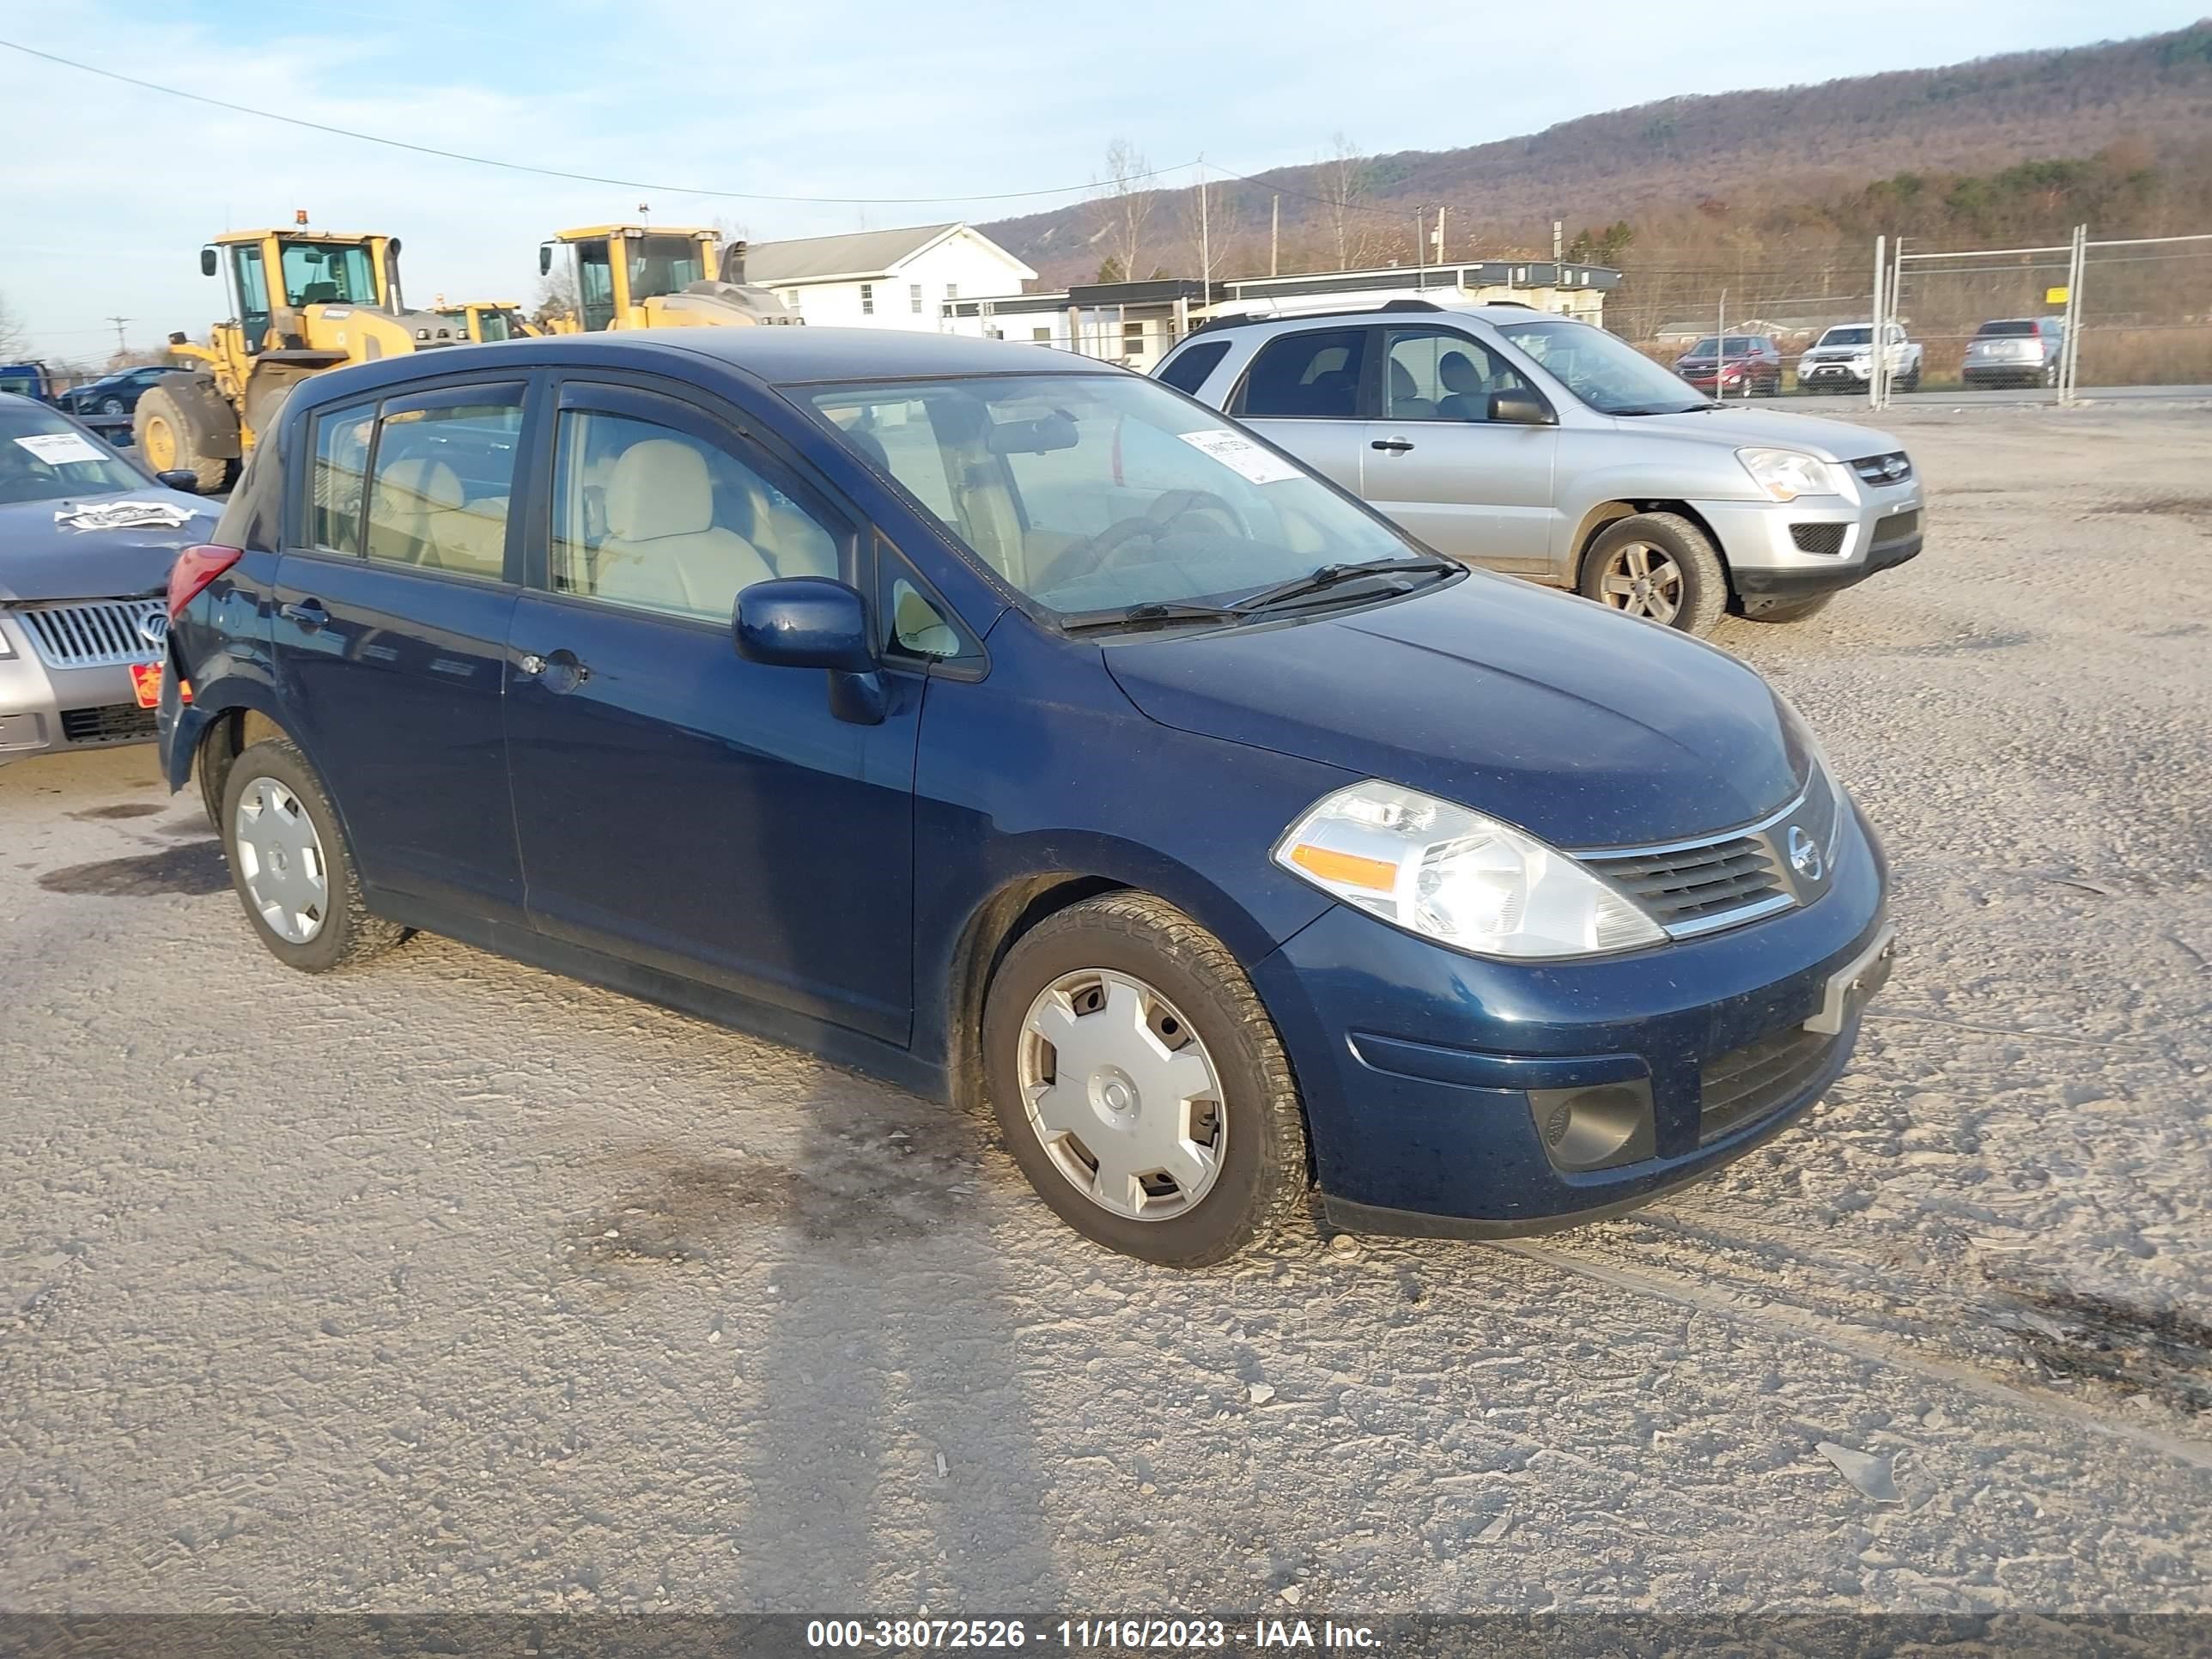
(160, 444)
(1122, 1095)
(281, 858)
(1643, 581)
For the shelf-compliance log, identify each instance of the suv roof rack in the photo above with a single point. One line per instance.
(1245, 318)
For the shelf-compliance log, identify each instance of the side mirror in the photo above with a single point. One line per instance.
(805, 622)
(545, 258)
(1519, 407)
(177, 478)
(207, 262)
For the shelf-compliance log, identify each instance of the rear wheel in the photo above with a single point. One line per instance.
(1659, 566)
(173, 437)
(1140, 1085)
(290, 866)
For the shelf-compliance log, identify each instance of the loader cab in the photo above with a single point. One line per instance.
(619, 267)
(272, 276)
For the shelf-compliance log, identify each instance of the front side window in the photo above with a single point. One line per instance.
(1310, 376)
(1601, 369)
(43, 458)
(443, 478)
(1434, 376)
(252, 282)
(1089, 492)
(652, 516)
(595, 284)
(317, 274)
(663, 264)
(340, 477)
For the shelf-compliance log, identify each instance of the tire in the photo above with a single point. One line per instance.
(1130, 943)
(1791, 611)
(172, 436)
(278, 775)
(111, 406)
(1699, 591)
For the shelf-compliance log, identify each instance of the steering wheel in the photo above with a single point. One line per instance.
(1108, 550)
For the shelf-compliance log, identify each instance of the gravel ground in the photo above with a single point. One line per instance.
(450, 1284)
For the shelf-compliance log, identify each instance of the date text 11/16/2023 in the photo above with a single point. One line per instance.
(1165, 1635)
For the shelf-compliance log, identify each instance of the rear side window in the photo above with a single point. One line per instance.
(340, 473)
(1187, 372)
(1311, 376)
(443, 480)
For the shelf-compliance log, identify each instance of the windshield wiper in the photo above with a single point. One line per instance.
(1331, 575)
(1152, 610)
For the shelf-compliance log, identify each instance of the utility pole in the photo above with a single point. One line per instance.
(120, 347)
(1438, 234)
(1420, 247)
(1558, 243)
(1205, 237)
(1275, 237)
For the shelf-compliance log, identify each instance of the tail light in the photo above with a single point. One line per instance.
(195, 566)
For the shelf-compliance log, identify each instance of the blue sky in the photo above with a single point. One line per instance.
(112, 190)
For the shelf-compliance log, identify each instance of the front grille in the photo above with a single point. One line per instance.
(1896, 527)
(1696, 883)
(1877, 469)
(1819, 537)
(90, 634)
(116, 722)
(1748, 1083)
(1738, 875)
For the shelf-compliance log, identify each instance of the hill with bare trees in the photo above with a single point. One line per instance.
(2027, 143)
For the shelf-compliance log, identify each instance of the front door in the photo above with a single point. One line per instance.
(676, 805)
(251, 281)
(391, 634)
(1434, 463)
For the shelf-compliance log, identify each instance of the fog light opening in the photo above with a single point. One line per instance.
(1594, 1127)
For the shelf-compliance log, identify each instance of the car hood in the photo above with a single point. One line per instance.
(42, 559)
(1825, 354)
(1583, 727)
(1834, 440)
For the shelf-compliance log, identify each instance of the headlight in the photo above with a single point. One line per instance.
(6, 649)
(1458, 877)
(1786, 474)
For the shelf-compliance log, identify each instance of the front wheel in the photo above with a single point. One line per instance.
(290, 866)
(173, 435)
(1141, 1085)
(1659, 566)
(110, 405)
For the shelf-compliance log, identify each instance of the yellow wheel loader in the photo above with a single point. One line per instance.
(481, 320)
(633, 276)
(302, 301)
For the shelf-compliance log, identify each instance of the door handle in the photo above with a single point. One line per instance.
(308, 613)
(1397, 444)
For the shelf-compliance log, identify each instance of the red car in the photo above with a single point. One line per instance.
(1750, 366)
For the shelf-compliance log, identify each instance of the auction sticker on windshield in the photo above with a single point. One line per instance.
(56, 448)
(1241, 455)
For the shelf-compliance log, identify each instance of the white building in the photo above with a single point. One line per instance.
(1570, 290)
(1128, 323)
(884, 278)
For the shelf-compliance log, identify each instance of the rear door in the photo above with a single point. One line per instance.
(677, 806)
(393, 598)
(1302, 390)
(1436, 463)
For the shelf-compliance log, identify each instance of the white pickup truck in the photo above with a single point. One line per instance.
(1841, 360)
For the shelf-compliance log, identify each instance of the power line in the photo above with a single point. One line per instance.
(556, 173)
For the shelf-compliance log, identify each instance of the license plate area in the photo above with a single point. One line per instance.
(146, 684)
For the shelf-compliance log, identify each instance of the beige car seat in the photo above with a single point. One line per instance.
(663, 547)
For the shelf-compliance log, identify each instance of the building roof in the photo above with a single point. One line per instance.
(857, 255)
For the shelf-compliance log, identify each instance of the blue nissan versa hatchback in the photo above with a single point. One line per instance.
(999, 721)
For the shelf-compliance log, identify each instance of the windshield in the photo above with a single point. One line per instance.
(326, 274)
(1097, 492)
(1604, 371)
(44, 458)
(663, 264)
(1847, 336)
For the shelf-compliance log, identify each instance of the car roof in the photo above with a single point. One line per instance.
(790, 355)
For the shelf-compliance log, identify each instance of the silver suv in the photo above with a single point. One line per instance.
(1550, 448)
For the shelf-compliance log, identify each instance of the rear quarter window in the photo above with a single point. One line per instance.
(1188, 371)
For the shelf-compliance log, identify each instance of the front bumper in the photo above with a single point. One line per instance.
(44, 709)
(1777, 551)
(1434, 1082)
